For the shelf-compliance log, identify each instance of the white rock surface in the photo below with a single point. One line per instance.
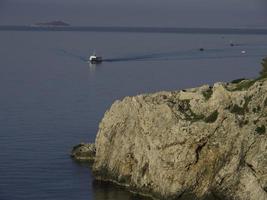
(207, 142)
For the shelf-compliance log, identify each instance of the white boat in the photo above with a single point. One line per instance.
(95, 59)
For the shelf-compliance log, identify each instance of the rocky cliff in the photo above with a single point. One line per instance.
(200, 143)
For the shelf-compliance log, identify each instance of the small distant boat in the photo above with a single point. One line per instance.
(95, 59)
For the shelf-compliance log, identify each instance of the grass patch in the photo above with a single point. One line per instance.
(238, 80)
(184, 107)
(261, 130)
(243, 123)
(243, 84)
(212, 117)
(195, 117)
(257, 109)
(237, 110)
(263, 72)
(247, 100)
(241, 110)
(208, 93)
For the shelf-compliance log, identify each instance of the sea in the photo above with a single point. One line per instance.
(51, 98)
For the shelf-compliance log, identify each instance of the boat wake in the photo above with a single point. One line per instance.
(147, 57)
(193, 54)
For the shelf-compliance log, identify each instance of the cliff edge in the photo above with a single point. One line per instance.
(200, 143)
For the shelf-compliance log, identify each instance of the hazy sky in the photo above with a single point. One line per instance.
(178, 13)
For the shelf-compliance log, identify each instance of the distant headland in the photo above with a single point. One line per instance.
(52, 23)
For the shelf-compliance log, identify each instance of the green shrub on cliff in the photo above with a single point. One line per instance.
(208, 93)
(244, 84)
(260, 130)
(238, 80)
(212, 117)
(241, 110)
(263, 72)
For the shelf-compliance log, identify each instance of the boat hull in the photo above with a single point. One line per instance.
(95, 59)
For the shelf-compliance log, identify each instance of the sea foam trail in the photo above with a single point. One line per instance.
(192, 54)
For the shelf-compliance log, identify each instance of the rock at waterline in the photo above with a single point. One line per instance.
(83, 152)
(198, 143)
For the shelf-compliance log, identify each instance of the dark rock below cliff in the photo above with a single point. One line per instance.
(83, 152)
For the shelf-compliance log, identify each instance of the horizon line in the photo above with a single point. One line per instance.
(137, 29)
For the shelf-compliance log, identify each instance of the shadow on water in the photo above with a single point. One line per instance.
(110, 191)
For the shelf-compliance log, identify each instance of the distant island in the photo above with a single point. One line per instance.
(52, 23)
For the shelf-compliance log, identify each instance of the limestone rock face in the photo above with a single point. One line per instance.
(206, 142)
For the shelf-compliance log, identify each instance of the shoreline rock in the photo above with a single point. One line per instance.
(200, 143)
(84, 152)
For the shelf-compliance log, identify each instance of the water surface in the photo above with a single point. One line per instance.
(52, 99)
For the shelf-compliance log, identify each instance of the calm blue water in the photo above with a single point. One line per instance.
(51, 99)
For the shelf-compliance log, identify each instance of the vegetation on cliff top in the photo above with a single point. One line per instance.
(263, 72)
(155, 154)
(261, 130)
(244, 84)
